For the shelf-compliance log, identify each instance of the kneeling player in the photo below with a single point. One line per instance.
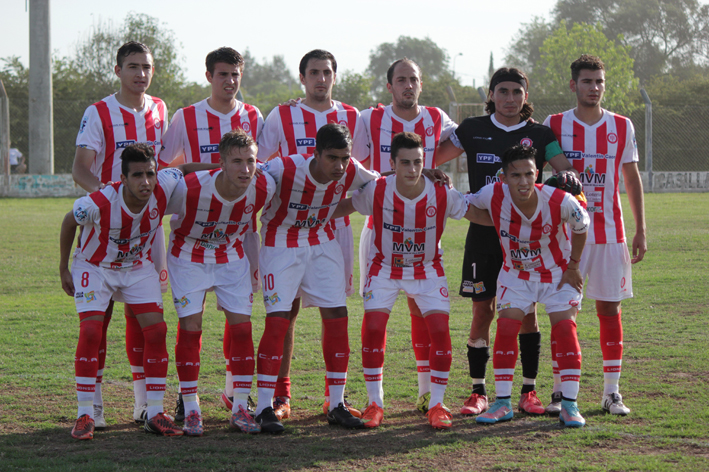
(214, 210)
(120, 222)
(409, 214)
(539, 265)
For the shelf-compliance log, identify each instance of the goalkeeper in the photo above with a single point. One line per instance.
(484, 140)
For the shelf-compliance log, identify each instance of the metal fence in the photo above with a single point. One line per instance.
(680, 137)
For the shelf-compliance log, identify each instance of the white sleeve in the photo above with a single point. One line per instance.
(448, 127)
(630, 153)
(363, 175)
(363, 198)
(176, 202)
(86, 211)
(454, 139)
(274, 168)
(168, 179)
(458, 205)
(173, 141)
(91, 131)
(269, 139)
(482, 198)
(573, 213)
(360, 141)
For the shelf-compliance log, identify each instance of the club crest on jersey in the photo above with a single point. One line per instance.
(431, 211)
(343, 122)
(249, 208)
(409, 246)
(124, 144)
(429, 131)
(209, 148)
(339, 189)
(546, 229)
(444, 292)
(246, 126)
(526, 142)
(305, 142)
(154, 213)
(158, 124)
(487, 158)
(163, 275)
(612, 138)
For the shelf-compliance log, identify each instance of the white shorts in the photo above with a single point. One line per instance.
(429, 294)
(158, 253)
(344, 238)
(252, 245)
(95, 286)
(312, 272)
(365, 243)
(513, 292)
(609, 272)
(190, 282)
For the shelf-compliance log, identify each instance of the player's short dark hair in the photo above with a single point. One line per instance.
(518, 152)
(317, 54)
(586, 61)
(225, 55)
(390, 71)
(131, 47)
(405, 140)
(333, 136)
(136, 152)
(235, 139)
(510, 74)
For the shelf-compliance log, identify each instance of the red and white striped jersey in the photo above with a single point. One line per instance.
(208, 229)
(598, 152)
(381, 123)
(299, 213)
(407, 232)
(108, 127)
(115, 238)
(537, 248)
(195, 131)
(292, 130)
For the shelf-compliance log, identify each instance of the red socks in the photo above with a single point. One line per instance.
(187, 360)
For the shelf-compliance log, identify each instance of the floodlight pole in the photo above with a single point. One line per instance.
(41, 129)
(648, 137)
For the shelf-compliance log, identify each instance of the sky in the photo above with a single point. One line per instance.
(469, 31)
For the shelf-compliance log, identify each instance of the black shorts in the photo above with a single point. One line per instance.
(482, 262)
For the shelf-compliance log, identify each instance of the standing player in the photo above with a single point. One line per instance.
(484, 139)
(126, 117)
(292, 130)
(382, 123)
(194, 136)
(409, 215)
(119, 224)
(206, 253)
(299, 255)
(600, 144)
(538, 266)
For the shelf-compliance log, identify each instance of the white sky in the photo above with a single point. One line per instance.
(290, 28)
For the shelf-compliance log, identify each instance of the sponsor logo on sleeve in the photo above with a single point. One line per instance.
(80, 214)
(84, 121)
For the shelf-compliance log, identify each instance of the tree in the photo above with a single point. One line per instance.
(353, 89)
(432, 59)
(566, 45)
(16, 79)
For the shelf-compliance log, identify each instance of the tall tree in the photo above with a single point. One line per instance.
(353, 89)
(432, 59)
(565, 45)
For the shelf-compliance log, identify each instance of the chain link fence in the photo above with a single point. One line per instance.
(680, 140)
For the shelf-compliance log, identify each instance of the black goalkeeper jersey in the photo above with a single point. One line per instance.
(485, 143)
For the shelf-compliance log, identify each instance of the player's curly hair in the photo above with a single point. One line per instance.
(390, 71)
(333, 136)
(136, 152)
(586, 61)
(317, 54)
(509, 74)
(518, 152)
(235, 139)
(225, 55)
(405, 140)
(131, 47)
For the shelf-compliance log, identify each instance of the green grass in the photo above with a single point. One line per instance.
(664, 381)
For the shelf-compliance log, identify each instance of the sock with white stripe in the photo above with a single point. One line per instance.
(86, 363)
(569, 358)
(155, 365)
(504, 357)
(611, 331)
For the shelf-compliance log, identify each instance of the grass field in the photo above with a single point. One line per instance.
(665, 377)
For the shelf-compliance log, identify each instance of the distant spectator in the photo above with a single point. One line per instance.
(17, 162)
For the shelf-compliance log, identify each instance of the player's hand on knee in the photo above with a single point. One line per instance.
(572, 277)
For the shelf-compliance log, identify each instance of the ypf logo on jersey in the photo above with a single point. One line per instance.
(526, 142)
(209, 148)
(305, 142)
